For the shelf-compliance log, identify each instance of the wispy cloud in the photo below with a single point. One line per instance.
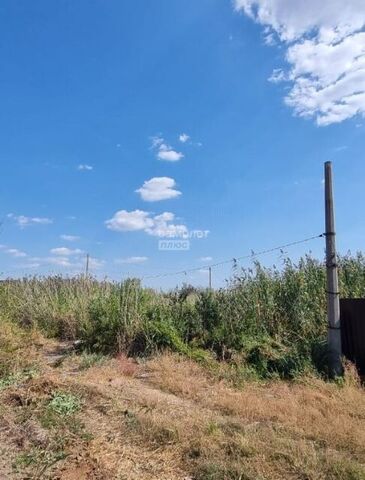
(165, 151)
(71, 261)
(62, 262)
(23, 221)
(131, 260)
(183, 137)
(96, 263)
(85, 167)
(14, 252)
(203, 271)
(66, 252)
(158, 188)
(70, 238)
(325, 52)
(205, 259)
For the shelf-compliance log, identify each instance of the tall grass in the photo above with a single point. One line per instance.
(272, 319)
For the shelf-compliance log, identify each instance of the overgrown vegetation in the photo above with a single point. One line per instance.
(271, 321)
(168, 417)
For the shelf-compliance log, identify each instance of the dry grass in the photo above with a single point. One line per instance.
(170, 419)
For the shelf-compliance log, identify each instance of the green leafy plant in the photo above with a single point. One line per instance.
(64, 403)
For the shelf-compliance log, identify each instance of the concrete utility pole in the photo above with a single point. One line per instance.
(333, 295)
(87, 264)
(210, 278)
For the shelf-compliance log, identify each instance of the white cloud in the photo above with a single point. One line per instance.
(206, 259)
(139, 220)
(24, 221)
(165, 151)
(30, 265)
(61, 262)
(85, 167)
(158, 188)
(66, 252)
(163, 228)
(62, 257)
(203, 271)
(131, 260)
(14, 252)
(183, 137)
(70, 238)
(124, 221)
(156, 141)
(95, 263)
(325, 50)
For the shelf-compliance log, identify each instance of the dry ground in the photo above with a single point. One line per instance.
(77, 417)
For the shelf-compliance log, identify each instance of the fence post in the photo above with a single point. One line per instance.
(87, 265)
(333, 300)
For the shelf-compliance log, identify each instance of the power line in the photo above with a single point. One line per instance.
(235, 259)
(209, 267)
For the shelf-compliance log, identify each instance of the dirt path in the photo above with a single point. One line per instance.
(82, 417)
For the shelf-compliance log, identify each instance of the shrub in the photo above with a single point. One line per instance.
(274, 318)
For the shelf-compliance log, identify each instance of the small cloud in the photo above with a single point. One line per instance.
(139, 220)
(70, 238)
(31, 265)
(60, 262)
(124, 221)
(95, 263)
(66, 252)
(205, 259)
(203, 271)
(277, 76)
(165, 151)
(341, 148)
(24, 221)
(156, 141)
(158, 188)
(168, 154)
(14, 252)
(84, 167)
(269, 39)
(183, 137)
(131, 260)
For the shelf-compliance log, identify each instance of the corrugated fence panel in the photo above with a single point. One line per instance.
(353, 331)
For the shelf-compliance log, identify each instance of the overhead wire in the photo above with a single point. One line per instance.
(234, 259)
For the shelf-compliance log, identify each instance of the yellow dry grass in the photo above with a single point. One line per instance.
(171, 419)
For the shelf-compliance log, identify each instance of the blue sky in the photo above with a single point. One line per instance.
(99, 98)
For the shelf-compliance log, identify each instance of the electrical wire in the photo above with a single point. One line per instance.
(235, 259)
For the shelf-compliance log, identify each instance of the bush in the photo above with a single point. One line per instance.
(274, 318)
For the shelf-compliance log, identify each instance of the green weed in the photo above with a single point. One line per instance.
(64, 404)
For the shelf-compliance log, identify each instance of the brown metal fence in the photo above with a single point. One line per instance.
(353, 331)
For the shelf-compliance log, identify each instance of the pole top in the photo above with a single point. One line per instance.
(328, 162)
